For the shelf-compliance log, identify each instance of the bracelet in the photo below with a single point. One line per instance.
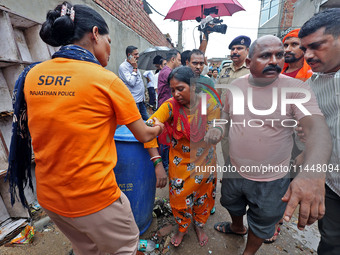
(220, 128)
(157, 161)
(155, 157)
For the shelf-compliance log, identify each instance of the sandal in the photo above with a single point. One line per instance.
(224, 227)
(271, 240)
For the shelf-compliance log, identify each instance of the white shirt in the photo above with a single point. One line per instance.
(132, 80)
(151, 77)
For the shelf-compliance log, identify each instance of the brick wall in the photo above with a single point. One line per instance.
(288, 14)
(131, 13)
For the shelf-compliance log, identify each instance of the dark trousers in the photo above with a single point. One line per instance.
(142, 109)
(152, 96)
(164, 152)
(329, 225)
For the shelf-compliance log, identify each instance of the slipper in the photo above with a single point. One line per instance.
(224, 227)
(268, 241)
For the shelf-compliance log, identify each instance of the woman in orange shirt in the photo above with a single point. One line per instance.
(192, 142)
(73, 107)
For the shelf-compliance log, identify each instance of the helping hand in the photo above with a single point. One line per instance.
(214, 135)
(309, 192)
(156, 122)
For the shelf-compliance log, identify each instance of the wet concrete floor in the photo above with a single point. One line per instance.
(290, 240)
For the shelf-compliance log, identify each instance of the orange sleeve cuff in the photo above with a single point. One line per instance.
(152, 144)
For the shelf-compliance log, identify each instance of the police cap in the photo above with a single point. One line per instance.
(240, 40)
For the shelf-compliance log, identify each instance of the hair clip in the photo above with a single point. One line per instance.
(72, 13)
(63, 10)
(67, 11)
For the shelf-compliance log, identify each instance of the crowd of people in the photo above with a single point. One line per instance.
(294, 79)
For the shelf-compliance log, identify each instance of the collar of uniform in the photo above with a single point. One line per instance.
(242, 66)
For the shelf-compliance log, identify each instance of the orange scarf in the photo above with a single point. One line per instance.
(305, 71)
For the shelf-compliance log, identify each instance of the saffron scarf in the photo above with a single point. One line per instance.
(20, 155)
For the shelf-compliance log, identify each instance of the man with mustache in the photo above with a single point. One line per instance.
(239, 48)
(320, 41)
(295, 65)
(260, 149)
(132, 78)
(196, 62)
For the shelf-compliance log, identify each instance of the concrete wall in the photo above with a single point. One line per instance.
(121, 35)
(304, 10)
(24, 47)
(130, 13)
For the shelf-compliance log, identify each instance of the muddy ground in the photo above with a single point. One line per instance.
(50, 241)
(290, 241)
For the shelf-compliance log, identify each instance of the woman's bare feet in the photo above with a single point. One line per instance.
(177, 238)
(201, 235)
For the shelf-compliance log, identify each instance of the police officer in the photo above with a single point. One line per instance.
(239, 48)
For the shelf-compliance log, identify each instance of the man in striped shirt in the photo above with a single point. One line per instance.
(320, 40)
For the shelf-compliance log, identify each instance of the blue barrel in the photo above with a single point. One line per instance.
(135, 176)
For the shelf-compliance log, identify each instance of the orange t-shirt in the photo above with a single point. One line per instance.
(73, 109)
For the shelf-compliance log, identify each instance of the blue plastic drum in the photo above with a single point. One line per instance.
(135, 176)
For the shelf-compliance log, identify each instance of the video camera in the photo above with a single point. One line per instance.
(205, 23)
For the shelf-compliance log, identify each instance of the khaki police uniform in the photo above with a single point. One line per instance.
(228, 73)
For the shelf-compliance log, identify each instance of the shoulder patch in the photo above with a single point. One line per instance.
(226, 65)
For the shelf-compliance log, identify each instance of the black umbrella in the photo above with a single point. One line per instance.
(146, 57)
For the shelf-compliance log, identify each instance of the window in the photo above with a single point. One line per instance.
(269, 9)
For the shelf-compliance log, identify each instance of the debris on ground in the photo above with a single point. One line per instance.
(165, 223)
(161, 208)
(11, 228)
(21, 230)
(37, 212)
(25, 236)
(164, 231)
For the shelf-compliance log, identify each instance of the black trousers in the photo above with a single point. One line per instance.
(329, 225)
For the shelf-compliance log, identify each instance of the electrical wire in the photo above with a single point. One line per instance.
(153, 8)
